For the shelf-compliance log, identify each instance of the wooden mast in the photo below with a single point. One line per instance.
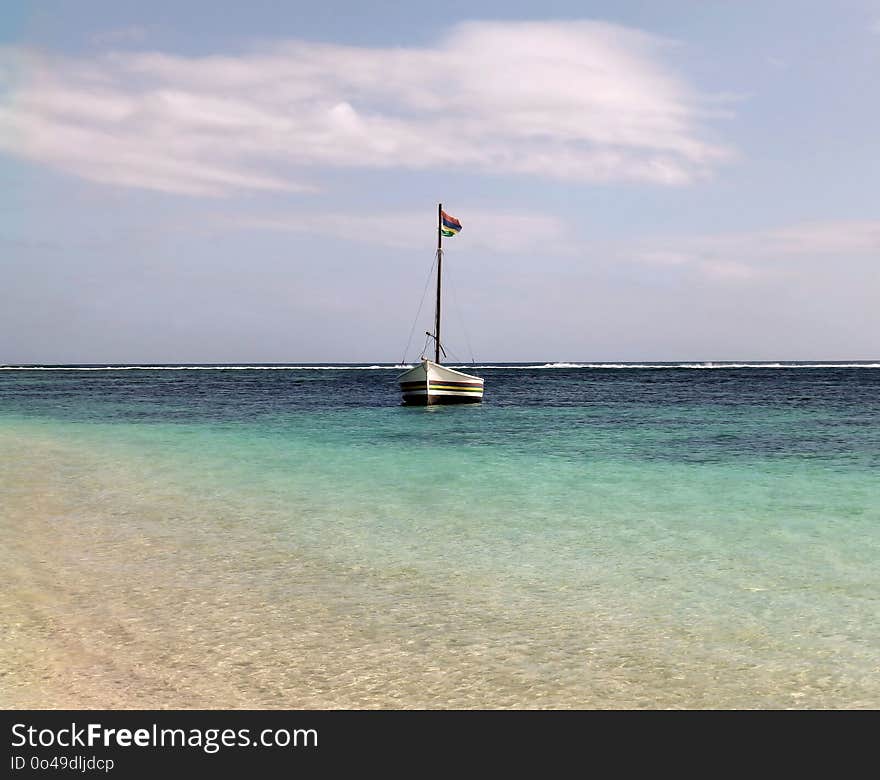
(439, 267)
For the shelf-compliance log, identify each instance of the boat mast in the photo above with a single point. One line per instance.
(439, 267)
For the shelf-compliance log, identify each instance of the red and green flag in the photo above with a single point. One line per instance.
(449, 226)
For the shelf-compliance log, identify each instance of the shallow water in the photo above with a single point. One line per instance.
(664, 537)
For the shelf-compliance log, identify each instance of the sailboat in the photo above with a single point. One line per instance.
(430, 382)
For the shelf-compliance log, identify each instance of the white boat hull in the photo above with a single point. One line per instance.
(430, 383)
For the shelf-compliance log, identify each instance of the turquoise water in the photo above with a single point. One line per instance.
(622, 536)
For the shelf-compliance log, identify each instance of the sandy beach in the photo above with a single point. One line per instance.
(103, 607)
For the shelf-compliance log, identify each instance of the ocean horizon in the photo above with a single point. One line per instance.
(372, 365)
(608, 535)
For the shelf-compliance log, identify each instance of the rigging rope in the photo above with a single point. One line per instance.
(425, 345)
(421, 303)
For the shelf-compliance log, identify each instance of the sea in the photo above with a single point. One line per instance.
(592, 536)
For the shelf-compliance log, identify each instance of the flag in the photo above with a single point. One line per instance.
(449, 226)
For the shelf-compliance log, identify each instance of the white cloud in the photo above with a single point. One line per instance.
(662, 257)
(498, 232)
(576, 100)
(726, 257)
(748, 255)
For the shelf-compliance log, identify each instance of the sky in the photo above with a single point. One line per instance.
(258, 182)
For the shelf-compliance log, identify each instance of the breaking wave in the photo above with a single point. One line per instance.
(705, 365)
(218, 367)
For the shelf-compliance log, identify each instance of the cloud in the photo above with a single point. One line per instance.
(743, 255)
(581, 101)
(662, 257)
(507, 233)
(777, 62)
(773, 252)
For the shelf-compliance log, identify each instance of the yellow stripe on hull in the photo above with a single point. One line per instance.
(431, 383)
